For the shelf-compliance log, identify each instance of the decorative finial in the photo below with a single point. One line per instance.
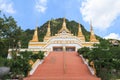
(64, 19)
(48, 24)
(91, 28)
(36, 23)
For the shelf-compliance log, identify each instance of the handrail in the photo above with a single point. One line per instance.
(90, 69)
(34, 66)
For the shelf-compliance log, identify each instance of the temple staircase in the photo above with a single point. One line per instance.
(62, 66)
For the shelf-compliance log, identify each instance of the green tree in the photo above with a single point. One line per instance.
(84, 51)
(20, 63)
(39, 55)
(9, 34)
(106, 59)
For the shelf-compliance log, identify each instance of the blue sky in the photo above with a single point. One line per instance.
(104, 14)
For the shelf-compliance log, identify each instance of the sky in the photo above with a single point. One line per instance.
(103, 14)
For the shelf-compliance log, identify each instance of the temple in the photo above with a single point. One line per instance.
(60, 53)
(64, 40)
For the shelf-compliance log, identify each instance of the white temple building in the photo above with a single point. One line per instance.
(62, 41)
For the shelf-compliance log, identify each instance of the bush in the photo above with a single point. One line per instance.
(39, 55)
(4, 62)
(106, 59)
(20, 65)
(84, 51)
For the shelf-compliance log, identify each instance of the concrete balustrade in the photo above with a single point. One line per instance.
(36, 64)
(90, 68)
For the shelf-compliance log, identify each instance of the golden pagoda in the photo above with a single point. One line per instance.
(64, 28)
(92, 35)
(80, 34)
(48, 34)
(35, 36)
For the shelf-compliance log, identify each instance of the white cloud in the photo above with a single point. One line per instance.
(102, 12)
(7, 6)
(41, 5)
(112, 36)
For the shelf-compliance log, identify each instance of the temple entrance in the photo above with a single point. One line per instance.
(58, 48)
(70, 48)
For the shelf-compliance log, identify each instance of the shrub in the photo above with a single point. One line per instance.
(39, 55)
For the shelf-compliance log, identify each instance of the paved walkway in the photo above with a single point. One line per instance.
(62, 66)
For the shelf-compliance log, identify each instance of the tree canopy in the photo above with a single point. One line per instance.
(106, 58)
(9, 34)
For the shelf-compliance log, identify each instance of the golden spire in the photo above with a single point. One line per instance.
(79, 30)
(64, 28)
(48, 34)
(80, 34)
(92, 35)
(48, 30)
(35, 36)
(64, 23)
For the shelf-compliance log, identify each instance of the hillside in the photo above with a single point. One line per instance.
(55, 25)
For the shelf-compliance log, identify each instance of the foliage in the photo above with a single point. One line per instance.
(39, 55)
(9, 34)
(5, 62)
(2, 61)
(26, 55)
(84, 51)
(3, 50)
(20, 67)
(19, 64)
(25, 37)
(106, 59)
